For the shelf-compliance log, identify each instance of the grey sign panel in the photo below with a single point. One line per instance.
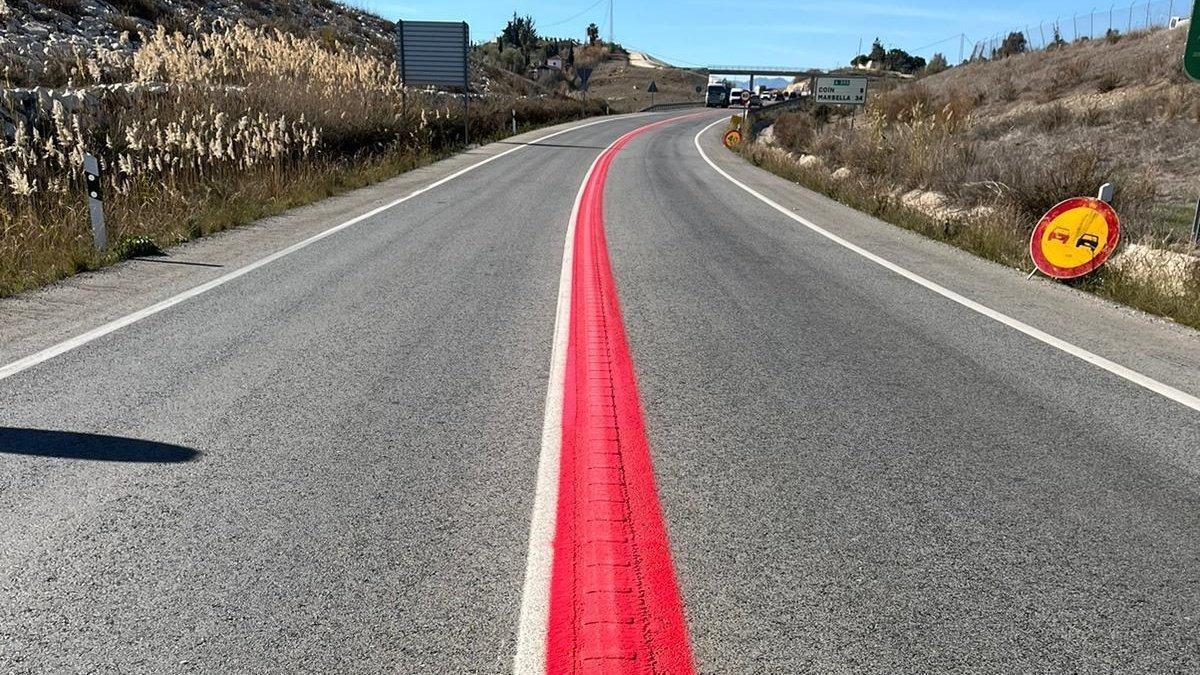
(432, 52)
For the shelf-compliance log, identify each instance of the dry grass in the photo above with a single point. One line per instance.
(992, 142)
(624, 86)
(230, 126)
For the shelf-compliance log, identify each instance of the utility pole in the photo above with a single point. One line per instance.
(612, 32)
(962, 44)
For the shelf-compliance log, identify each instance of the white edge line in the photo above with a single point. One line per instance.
(533, 624)
(1117, 369)
(65, 346)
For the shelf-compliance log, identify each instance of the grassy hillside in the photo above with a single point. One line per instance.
(976, 154)
(1023, 131)
(624, 86)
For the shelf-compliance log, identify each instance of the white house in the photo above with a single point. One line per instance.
(554, 62)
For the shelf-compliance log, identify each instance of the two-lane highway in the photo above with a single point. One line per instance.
(416, 445)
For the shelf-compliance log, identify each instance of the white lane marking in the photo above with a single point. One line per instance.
(534, 623)
(117, 324)
(1117, 369)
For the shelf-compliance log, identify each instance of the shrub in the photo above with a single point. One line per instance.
(1051, 117)
(795, 131)
(1108, 82)
(142, 9)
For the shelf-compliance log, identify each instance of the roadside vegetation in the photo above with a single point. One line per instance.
(976, 154)
(212, 129)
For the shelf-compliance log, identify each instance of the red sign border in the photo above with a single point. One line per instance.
(1050, 269)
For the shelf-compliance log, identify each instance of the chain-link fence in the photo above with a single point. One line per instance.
(1118, 19)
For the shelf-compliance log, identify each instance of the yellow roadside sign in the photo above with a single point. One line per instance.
(1074, 238)
(733, 138)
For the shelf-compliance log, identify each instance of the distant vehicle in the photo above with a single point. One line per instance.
(781, 95)
(718, 96)
(756, 101)
(735, 97)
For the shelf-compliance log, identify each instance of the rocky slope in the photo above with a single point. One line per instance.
(42, 42)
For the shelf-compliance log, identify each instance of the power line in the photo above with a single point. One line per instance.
(956, 36)
(594, 5)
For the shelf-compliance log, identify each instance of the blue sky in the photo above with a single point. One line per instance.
(818, 33)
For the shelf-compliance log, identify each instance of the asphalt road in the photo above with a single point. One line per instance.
(328, 464)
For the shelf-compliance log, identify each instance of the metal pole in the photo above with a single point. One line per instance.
(1074, 27)
(91, 171)
(1129, 26)
(1196, 224)
(1147, 16)
(514, 120)
(1092, 25)
(1042, 31)
(466, 85)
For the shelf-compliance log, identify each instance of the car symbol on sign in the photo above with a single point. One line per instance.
(1059, 234)
(1090, 241)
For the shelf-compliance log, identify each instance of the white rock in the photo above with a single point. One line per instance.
(1171, 271)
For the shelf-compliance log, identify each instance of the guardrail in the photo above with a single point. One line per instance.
(673, 106)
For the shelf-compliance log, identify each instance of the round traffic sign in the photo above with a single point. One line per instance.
(745, 96)
(1074, 238)
(733, 138)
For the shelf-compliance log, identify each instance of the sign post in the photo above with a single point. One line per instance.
(435, 53)
(585, 74)
(1191, 50)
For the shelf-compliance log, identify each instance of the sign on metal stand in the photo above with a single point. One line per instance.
(91, 174)
(1191, 51)
(585, 74)
(840, 91)
(1075, 237)
(435, 53)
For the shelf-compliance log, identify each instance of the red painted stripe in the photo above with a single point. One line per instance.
(614, 601)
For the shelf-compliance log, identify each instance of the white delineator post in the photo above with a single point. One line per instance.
(91, 172)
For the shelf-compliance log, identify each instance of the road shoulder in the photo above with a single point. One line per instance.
(37, 319)
(1155, 347)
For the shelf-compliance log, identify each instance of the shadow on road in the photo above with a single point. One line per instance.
(71, 445)
(175, 262)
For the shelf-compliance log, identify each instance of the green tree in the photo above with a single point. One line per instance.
(1057, 41)
(513, 61)
(878, 54)
(937, 64)
(1014, 44)
(901, 61)
(593, 33)
(520, 33)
